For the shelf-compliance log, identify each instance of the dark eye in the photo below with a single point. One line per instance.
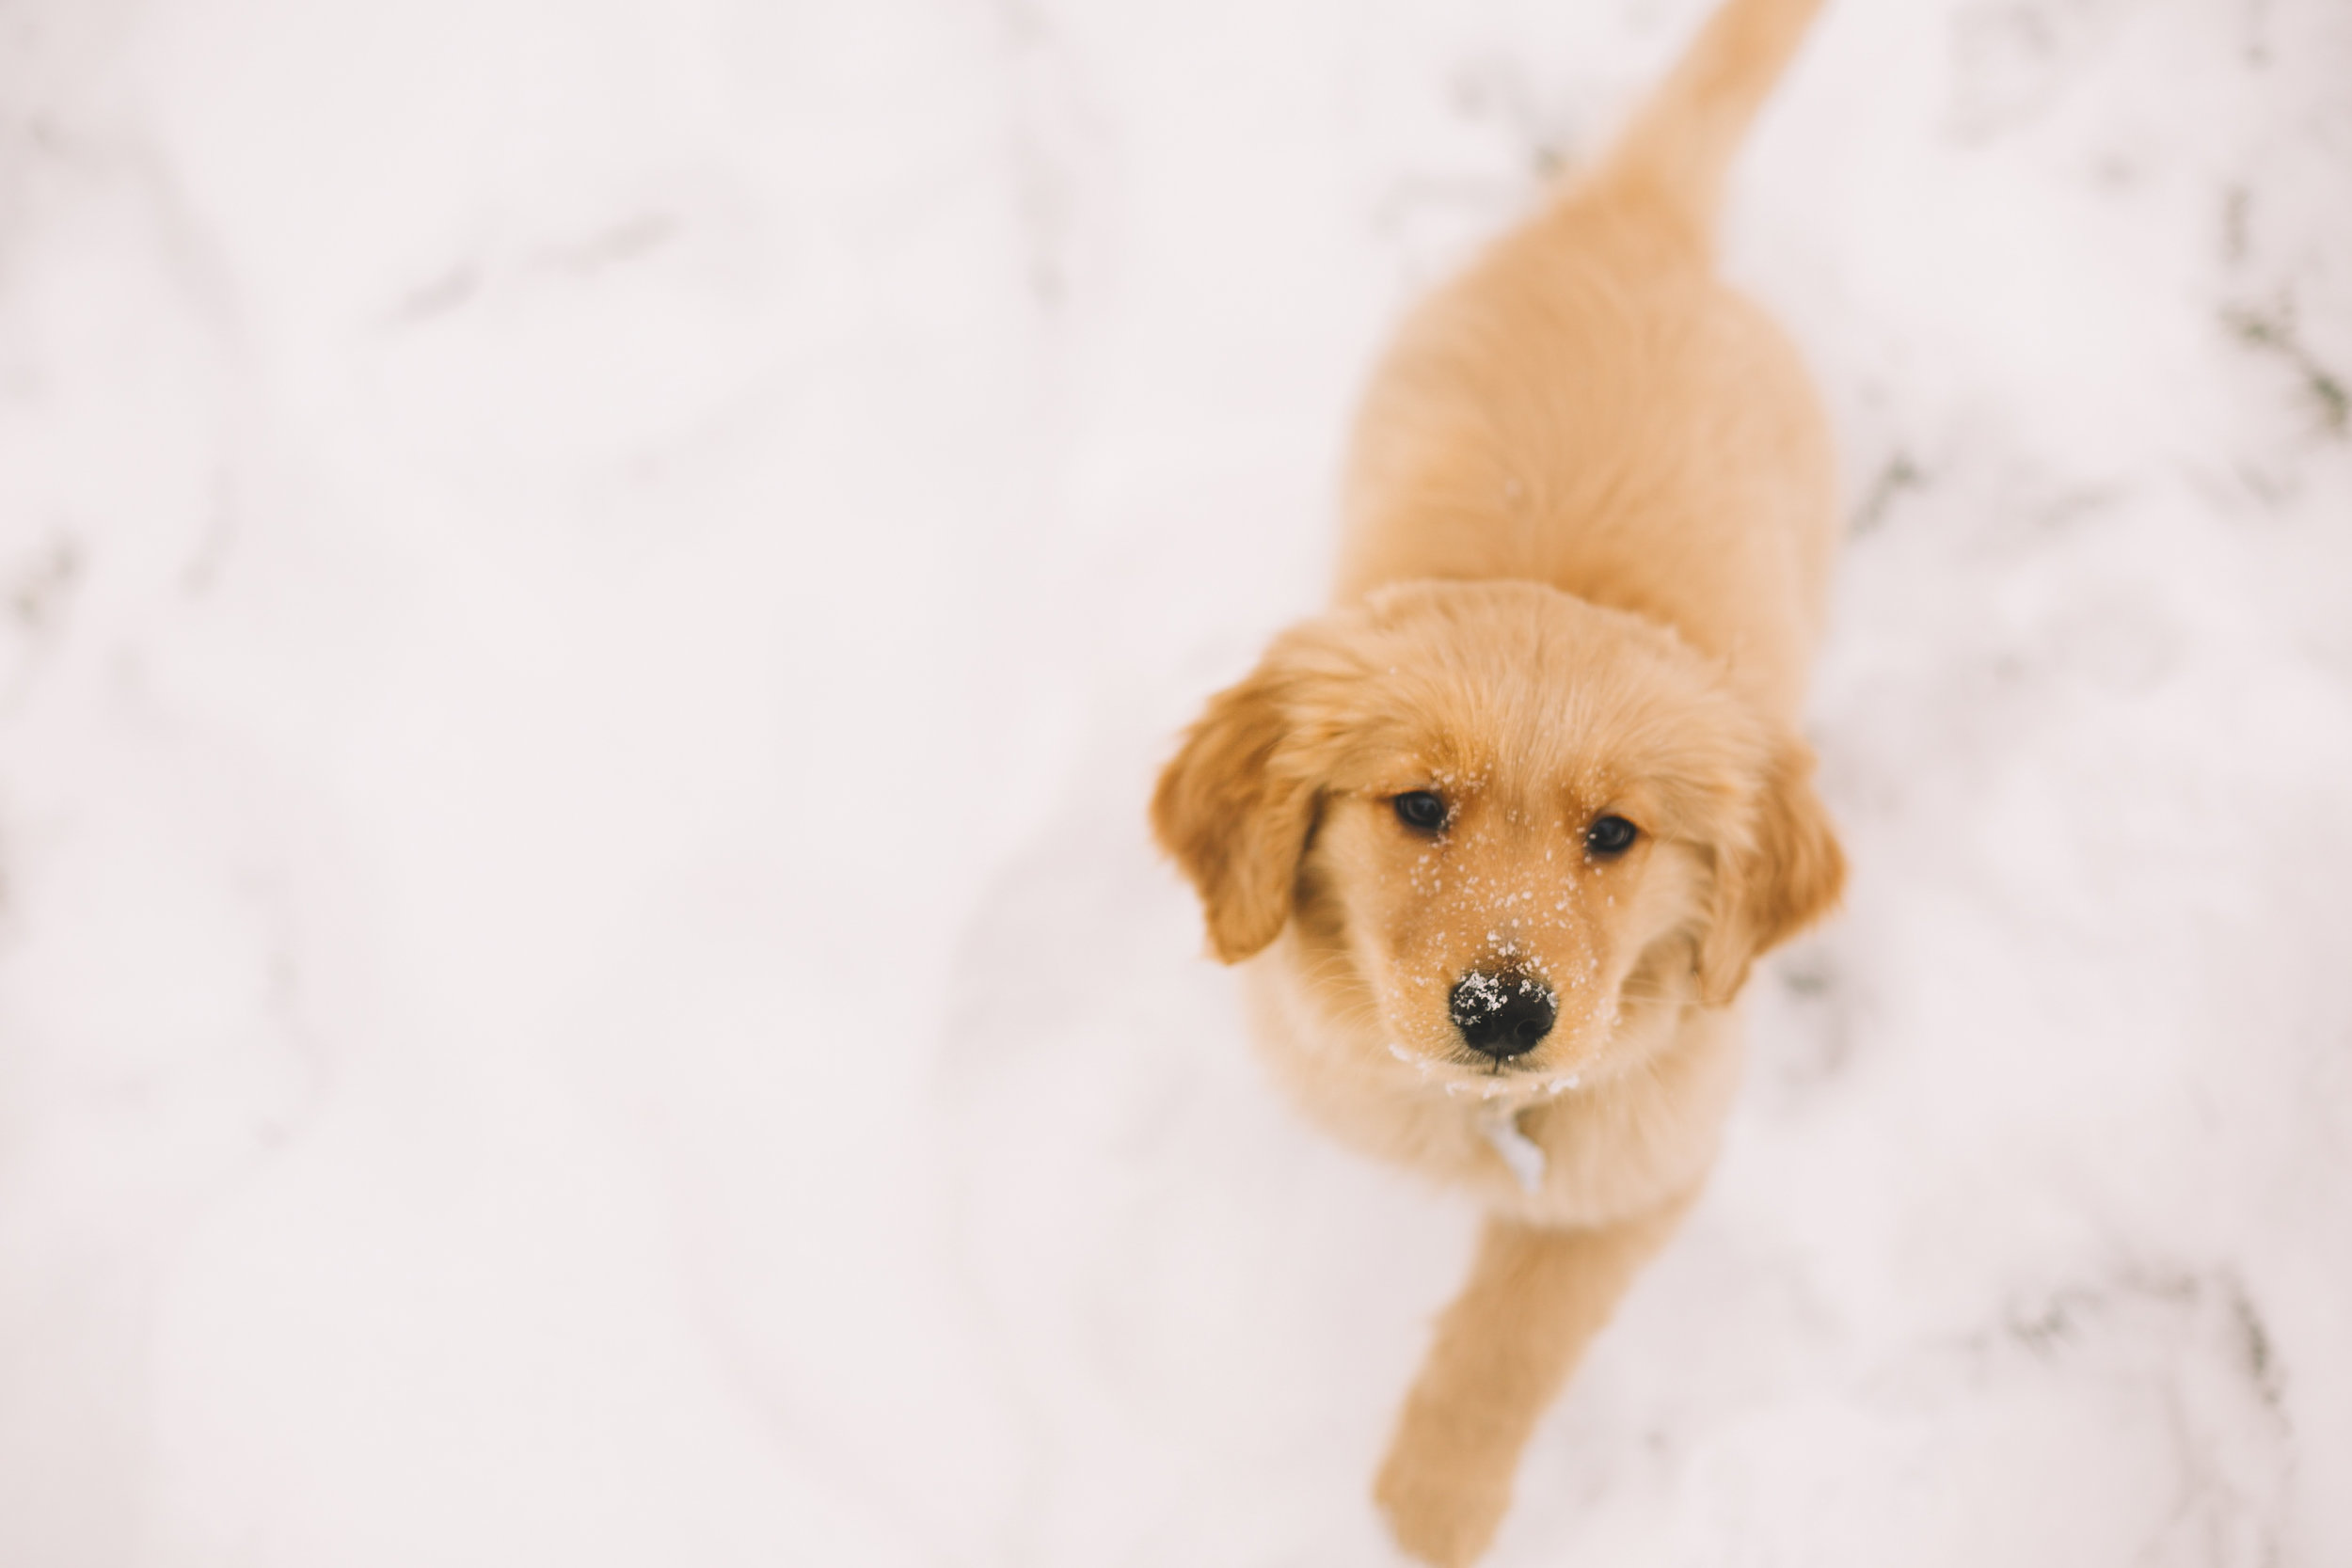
(1420, 809)
(1610, 836)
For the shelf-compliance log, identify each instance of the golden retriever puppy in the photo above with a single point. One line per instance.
(1500, 836)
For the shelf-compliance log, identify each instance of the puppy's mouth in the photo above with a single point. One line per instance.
(1505, 1033)
(1467, 1074)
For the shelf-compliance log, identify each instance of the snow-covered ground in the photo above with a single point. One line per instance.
(589, 594)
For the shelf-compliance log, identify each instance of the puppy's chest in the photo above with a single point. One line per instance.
(1605, 1154)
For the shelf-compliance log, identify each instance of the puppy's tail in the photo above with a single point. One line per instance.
(1674, 153)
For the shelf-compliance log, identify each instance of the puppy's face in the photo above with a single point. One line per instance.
(1502, 821)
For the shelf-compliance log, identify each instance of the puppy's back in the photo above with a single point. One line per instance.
(1588, 406)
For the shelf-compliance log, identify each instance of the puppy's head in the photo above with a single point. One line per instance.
(1500, 819)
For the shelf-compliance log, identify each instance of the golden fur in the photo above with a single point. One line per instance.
(1590, 518)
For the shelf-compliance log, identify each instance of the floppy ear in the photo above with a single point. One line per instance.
(1233, 820)
(1788, 875)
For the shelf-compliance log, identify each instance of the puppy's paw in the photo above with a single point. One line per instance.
(1441, 1510)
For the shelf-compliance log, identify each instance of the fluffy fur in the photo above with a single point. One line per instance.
(1590, 520)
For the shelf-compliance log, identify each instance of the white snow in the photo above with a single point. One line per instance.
(589, 596)
(1522, 1154)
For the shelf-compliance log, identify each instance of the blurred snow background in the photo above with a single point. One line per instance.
(589, 594)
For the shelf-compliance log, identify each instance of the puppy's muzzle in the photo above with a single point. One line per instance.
(1503, 1013)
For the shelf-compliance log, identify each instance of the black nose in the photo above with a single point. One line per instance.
(1505, 1014)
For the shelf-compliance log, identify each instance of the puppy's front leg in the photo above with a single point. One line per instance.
(1535, 1298)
